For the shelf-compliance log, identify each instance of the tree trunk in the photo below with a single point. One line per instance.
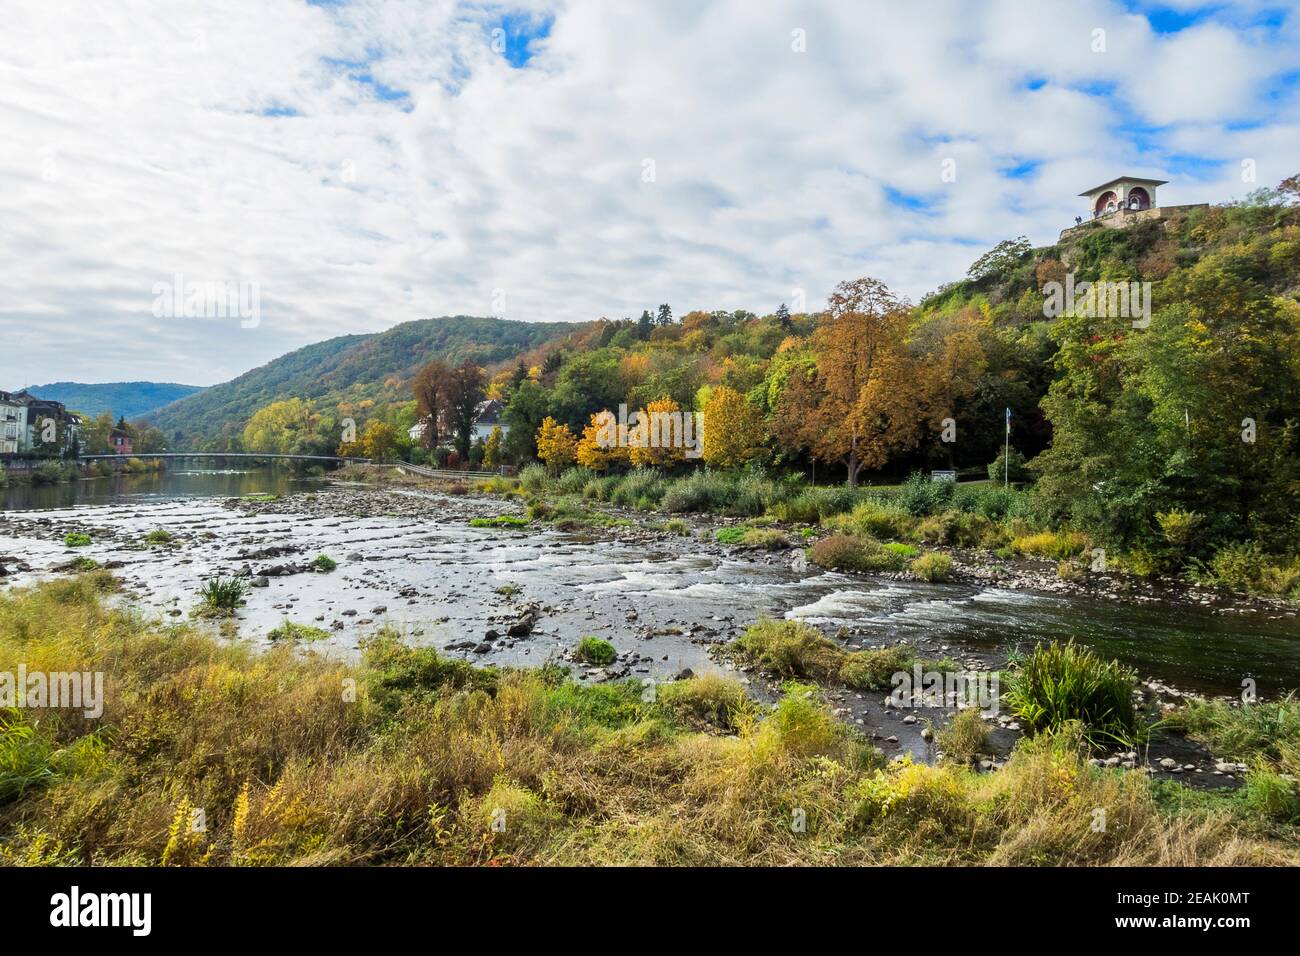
(854, 466)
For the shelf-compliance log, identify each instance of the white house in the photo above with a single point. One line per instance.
(13, 425)
(487, 416)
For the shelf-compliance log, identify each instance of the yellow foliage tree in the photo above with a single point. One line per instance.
(556, 445)
(379, 441)
(733, 429)
(281, 428)
(492, 448)
(656, 440)
(599, 448)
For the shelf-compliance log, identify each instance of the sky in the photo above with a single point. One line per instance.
(306, 170)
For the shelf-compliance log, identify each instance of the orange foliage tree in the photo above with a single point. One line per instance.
(860, 402)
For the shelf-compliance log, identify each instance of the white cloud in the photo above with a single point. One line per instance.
(243, 141)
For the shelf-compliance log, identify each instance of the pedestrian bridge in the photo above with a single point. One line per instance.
(173, 455)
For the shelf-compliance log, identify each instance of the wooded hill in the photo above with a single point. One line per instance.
(366, 371)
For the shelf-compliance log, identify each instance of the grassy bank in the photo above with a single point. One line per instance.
(1009, 523)
(408, 757)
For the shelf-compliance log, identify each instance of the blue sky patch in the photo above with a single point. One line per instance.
(518, 31)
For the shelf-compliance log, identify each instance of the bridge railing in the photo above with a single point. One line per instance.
(443, 474)
(224, 454)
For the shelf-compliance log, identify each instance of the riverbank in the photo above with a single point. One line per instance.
(512, 582)
(575, 500)
(407, 757)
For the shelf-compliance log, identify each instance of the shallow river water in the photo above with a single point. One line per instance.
(415, 564)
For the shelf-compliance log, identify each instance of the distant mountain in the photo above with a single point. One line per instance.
(126, 399)
(353, 368)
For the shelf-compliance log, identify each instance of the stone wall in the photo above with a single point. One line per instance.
(1123, 218)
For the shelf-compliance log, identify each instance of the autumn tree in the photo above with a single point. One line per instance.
(949, 360)
(556, 445)
(598, 448)
(658, 438)
(379, 440)
(858, 402)
(492, 448)
(464, 391)
(431, 387)
(282, 428)
(733, 429)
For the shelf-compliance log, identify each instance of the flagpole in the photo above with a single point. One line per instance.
(1006, 455)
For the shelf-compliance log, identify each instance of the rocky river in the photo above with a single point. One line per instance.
(407, 558)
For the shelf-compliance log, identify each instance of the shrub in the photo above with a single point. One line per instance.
(961, 529)
(1271, 796)
(500, 521)
(964, 737)
(875, 519)
(534, 478)
(51, 473)
(1281, 579)
(873, 669)
(574, 480)
(790, 649)
(397, 674)
(1008, 467)
(1269, 730)
(515, 817)
(843, 552)
(76, 539)
(711, 491)
(293, 632)
(707, 699)
(159, 536)
(932, 567)
(1179, 527)
(592, 650)
(1237, 566)
(910, 794)
(323, 563)
(756, 493)
(222, 595)
(815, 504)
(1059, 683)
(1070, 571)
(988, 501)
(767, 539)
(920, 496)
(640, 488)
(1051, 544)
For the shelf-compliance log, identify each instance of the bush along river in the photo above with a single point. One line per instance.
(668, 597)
